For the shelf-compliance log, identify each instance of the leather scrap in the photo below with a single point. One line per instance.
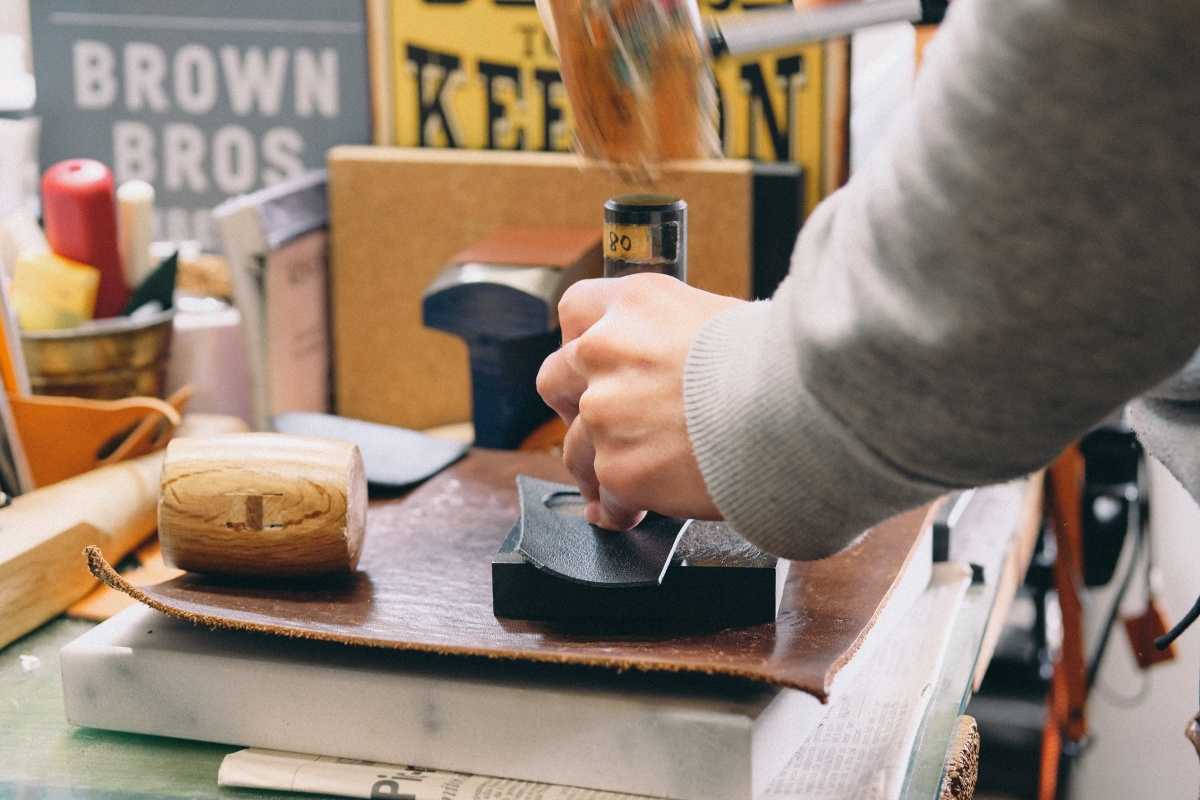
(423, 584)
(568, 547)
(393, 458)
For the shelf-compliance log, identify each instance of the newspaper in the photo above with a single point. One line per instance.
(270, 769)
(860, 750)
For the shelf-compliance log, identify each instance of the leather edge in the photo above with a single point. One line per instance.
(849, 653)
(104, 571)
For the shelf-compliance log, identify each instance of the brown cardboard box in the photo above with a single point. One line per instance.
(397, 216)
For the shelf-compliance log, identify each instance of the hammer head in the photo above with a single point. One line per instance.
(637, 77)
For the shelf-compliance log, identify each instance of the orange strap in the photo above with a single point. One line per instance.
(67, 436)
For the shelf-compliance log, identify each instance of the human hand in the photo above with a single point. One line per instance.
(617, 382)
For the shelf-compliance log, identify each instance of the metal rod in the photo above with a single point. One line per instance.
(756, 31)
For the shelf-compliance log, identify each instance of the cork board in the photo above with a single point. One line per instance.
(398, 215)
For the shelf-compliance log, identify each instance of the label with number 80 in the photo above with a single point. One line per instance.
(626, 241)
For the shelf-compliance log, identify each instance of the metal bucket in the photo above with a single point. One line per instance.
(108, 360)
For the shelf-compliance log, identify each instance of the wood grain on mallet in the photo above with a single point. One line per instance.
(265, 504)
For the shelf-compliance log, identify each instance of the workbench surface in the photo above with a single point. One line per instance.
(41, 756)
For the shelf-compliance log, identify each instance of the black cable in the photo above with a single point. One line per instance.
(1139, 541)
(1164, 641)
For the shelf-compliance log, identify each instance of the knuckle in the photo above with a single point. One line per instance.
(605, 474)
(596, 408)
(645, 288)
(632, 291)
(545, 378)
(592, 348)
(611, 474)
(589, 407)
(572, 293)
(572, 304)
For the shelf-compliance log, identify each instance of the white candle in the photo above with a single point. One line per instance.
(135, 203)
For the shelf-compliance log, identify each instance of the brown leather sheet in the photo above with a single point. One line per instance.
(424, 583)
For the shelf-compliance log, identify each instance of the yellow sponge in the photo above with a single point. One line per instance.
(51, 292)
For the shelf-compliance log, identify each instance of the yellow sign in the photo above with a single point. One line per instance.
(482, 74)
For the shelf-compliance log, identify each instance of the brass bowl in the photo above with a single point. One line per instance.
(107, 360)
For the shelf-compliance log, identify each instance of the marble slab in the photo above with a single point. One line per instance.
(145, 672)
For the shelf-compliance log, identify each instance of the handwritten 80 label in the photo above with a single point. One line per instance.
(627, 241)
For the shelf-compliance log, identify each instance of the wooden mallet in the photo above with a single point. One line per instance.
(262, 504)
(636, 71)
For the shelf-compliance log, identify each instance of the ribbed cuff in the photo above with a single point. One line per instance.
(785, 473)
(1170, 431)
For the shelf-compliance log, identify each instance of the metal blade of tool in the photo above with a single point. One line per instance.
(759, 31)
(568, 547)
(393, 457)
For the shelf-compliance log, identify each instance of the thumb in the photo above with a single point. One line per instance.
(607, 513)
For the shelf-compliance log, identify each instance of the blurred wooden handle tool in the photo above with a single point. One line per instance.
(44, 531)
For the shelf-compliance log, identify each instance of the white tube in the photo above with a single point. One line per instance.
(135, 205)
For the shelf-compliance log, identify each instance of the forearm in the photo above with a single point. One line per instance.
(1020, 260)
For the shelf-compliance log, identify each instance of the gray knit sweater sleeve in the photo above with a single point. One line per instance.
(1021, 258)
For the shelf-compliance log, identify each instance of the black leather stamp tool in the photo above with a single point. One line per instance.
(554, 566)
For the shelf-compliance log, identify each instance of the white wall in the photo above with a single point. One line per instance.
(1140, 752)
